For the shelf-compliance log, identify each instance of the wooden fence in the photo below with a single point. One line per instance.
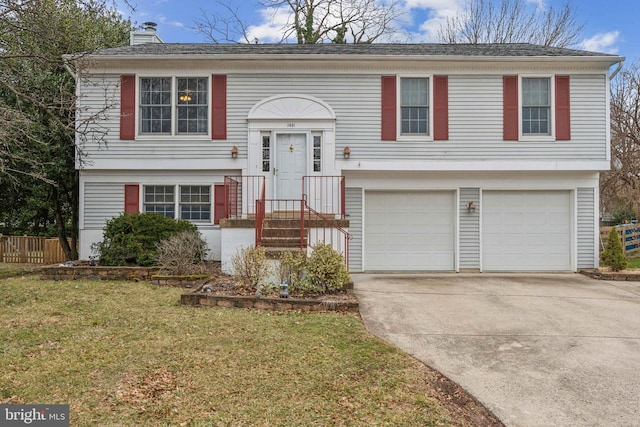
(629, 234)
(31, 250)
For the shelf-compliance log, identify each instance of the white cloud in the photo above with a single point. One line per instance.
(433, 14)
(602, 42)
(540, 5)
(163, 20)
(270, 30)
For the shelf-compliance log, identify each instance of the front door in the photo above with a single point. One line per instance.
(291, 165)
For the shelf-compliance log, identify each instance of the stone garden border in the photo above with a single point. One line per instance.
(197, 298)
(204, 299)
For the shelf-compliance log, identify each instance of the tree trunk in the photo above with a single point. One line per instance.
(60, 226)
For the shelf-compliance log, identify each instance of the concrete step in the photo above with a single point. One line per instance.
(283, 232)
(282, 242)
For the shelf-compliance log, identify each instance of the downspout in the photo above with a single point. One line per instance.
(617, 70)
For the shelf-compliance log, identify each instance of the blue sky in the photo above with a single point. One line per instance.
(611, 26)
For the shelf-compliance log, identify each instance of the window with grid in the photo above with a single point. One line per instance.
(317, 153)
(536, 106)
(155, 105)
(414, 106)
(193, 113)
(266, 153)
(195, 202)
(159, 199)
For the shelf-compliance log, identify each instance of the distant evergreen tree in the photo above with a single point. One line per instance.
(613, 255)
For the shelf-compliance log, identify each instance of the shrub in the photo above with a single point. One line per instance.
(183, 253)
(623, 215)
(326, 269)
(132, 239)
(251, 268)
(293, 269)
(613, 254)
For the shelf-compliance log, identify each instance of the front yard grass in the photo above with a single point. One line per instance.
(11, 270)
(129, 354)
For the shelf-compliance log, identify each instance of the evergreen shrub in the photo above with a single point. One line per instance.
(613, 254)
(132, 239)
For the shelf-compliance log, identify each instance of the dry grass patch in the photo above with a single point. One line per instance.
(129, 354)
(12, 270)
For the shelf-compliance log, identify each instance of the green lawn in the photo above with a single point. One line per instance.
(634, 263)
(129, 354)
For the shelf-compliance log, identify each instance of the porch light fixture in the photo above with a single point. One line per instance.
(347, 152)
(234, 152)
(185, 96)
(471, 206)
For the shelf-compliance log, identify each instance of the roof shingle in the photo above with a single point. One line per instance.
(375, 49)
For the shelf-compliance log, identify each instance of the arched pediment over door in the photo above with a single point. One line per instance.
(291, 107)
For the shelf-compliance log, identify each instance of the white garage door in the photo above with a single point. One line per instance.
(526, 231)
(409, 230)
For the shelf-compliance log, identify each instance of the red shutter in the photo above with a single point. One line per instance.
(388, 108)
(440, 108)
(219, 106)
(131, 198)
(128, 107)
(219, 196)
(563, 111)
(510, 106)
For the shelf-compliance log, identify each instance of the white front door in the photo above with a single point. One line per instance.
(291, 165)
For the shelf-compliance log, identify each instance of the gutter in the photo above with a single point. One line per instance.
(617, 70)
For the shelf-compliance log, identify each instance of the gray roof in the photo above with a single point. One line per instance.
(375, 49)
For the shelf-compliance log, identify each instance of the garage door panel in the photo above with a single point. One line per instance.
(526, 231)
(412, 230)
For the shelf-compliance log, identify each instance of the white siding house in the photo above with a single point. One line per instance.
(430, 157)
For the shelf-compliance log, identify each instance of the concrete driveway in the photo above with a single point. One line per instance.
(537, 350)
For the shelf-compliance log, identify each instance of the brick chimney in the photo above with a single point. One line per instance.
(147, 35)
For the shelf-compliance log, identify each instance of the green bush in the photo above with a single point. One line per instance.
(613, 254)
(326, 269)
(132, 239)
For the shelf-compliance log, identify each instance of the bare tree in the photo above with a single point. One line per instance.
(620, 186)
(227, 27)
(310, 21)
(512, 21)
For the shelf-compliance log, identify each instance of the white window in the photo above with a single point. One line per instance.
(414, 106)
(155, 105)
(193, 113)
(160, 199)
(167, 100)
(195, 203)
(536, 106)
(192, 204)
